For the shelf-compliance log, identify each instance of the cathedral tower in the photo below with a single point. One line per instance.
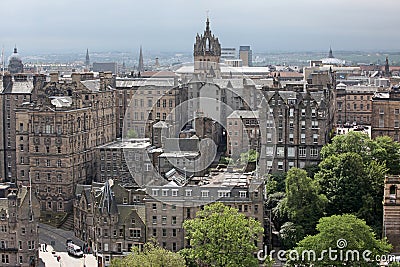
(207, 51)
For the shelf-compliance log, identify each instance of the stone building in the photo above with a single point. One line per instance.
(15, 91)
(354, 104)
(19, 217)
(386, 114)
(58, 132)
(127, 162)
(168, 206)
(391, 211)
(243, 132)
(110, 219)
(298, 123)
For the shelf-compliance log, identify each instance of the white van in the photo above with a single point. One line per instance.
(74, 250)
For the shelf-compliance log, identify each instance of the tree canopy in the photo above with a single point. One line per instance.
(221, 236)
(151, 256)
(352, 174)
(304, 203)
(381, 149)
(337, 233)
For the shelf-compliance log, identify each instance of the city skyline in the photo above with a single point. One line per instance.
(308, 25)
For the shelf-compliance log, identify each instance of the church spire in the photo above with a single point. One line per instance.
(141, 64)
(387, 68)
(87, 61)
(330, 53)
(208, 25)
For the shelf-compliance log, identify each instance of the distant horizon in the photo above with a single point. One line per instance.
(71, 26)
(151, 51)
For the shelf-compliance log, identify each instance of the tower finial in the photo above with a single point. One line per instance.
(330, 52)
(208, 20)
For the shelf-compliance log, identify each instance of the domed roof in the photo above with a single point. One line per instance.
(15, 56)
(333, 61)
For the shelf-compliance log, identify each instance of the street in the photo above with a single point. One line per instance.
(55, 239)
(50, 259)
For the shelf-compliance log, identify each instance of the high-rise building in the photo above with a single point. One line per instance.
(15, 91)
(57, 133)
(246, 55)
(228, 53)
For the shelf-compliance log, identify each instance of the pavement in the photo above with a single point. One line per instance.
(55, 239)
(49, 259)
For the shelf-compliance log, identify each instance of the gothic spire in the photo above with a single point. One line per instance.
(387, 68)
(208, 25)
(108, 204)
(330, 53)
(87, 61)
(141, 64)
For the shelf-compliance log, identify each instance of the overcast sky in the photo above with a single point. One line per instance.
(38, 26)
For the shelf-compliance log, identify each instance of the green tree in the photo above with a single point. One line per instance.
(342, 180)
(221, 236)
(340, 233)
(352, 175)
(304, 204)
(249, 156)
(131, 134)
(290, 234)
(389, 153)
(275, 182)
(151, 256)
(382, 149)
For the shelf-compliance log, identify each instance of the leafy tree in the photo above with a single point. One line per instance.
(221, 236)
(311, 170)
(352, 175)
(382, 149)
(275, 182)
(389, 152)
(344, 233)
(225, 160)
(276, 203)
(342, 179)
(290, 234)
(131, 134)
(304, 204)
(249, 156)
(151, 256)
